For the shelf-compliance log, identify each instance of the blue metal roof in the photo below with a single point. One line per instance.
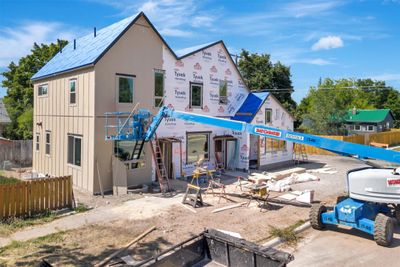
(88, 49)
(250, 107)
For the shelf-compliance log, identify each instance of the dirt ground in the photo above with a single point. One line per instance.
(90, 244)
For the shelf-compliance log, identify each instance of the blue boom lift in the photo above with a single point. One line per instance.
(373, 201)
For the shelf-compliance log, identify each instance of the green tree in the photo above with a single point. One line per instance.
(260, 73)
(19, 98)
(324, 108)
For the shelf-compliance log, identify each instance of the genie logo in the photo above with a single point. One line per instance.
(267, 132)
(294, 137)
(345, 210)
(393, 182)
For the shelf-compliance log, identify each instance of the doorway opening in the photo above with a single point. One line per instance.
(226, 152)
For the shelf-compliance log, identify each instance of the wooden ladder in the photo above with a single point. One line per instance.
(161, 171)
(299, 153)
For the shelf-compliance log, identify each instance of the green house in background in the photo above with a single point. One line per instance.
(363, 121)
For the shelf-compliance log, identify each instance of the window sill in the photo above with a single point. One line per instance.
(79, 168)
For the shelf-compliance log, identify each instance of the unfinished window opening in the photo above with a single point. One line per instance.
(223, 92)
(48, 142)
(124, 150)
(42, 90)
(37, 142)
(74, 150)
(158, 87)
(370, 128)
(273, 145)
(268, 115)
(196, 95)
(125, 89)
(357, 127)
(72, 92)
(197, 146)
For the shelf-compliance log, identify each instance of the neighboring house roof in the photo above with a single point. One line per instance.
(250, 107)
(89, 49)
(368, 115)
(3, 113)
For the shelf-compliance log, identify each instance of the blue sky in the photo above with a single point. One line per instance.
(321, 38)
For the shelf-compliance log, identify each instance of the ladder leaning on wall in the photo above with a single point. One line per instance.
(299, 153)
(161, 171)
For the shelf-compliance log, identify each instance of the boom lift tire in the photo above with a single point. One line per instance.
(397, 213)
(315, 216)
(383, 230)
(341, 197)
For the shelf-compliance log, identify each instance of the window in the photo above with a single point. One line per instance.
(72, 92)
(268, 115)
(357, 127)
(158, 87)
(370, 128)
(196, 95)
(197, 147)
(74, 150)
(125, 89)
(42, 90)
(223, 91)
(124, 149)
(273, 145)
(47, 148)
(37, 143)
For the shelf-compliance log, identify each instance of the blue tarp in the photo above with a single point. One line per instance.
(250, 107)
(88, 49)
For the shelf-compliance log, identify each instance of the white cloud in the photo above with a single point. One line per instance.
(328, 42)
(175, 32)
(18, 41)
(307, 8)
(318, 61)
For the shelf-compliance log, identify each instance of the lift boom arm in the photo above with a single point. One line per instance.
(339, 147)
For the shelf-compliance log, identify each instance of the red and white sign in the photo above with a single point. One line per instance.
(268, 132)
(393, 182)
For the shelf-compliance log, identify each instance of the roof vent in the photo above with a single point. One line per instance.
(94, 31)
(354, 111)
(74, 44)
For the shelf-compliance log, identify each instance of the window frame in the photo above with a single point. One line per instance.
(73, 163)
(75, 80)
(225, 100)
(127, 76)
(37, 142)
(47, 143)
(357, 126)
(155, 97)
(191, 84)
(372, 128)
(208, 134)
(47, 90)
(268, 110)
(275, 145)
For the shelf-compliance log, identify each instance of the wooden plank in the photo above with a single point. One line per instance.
(65, 191)
(18, 199)
(69, 183)
(58, 195)
(46, 195)
(33, 198)
(51, 194)
(23, 199)
(229, 207)
(1, 202)
(6, 200)
(60, 192)
(42, 194)
(12, 200)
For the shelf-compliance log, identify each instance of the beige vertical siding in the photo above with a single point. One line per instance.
(57, 116)
(138, 52)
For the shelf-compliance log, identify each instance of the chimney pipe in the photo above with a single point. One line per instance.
(74, 44)
(354, 111)
(94, 31)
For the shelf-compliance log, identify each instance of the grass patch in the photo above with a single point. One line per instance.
(12, 225)
(8, 180)
(287, 234)
(34, 243)
(81, 208)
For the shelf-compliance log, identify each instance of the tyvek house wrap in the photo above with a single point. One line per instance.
(208, 67)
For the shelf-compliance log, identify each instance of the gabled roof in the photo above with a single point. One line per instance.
(368, 115)
(3, 113)
(250, 107)
(89, 49)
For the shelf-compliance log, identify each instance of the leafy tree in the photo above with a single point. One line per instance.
(19, 98)
(260, 73)
(324, 109)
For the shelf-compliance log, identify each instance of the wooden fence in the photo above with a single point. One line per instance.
(391, 138)
(32, 197)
